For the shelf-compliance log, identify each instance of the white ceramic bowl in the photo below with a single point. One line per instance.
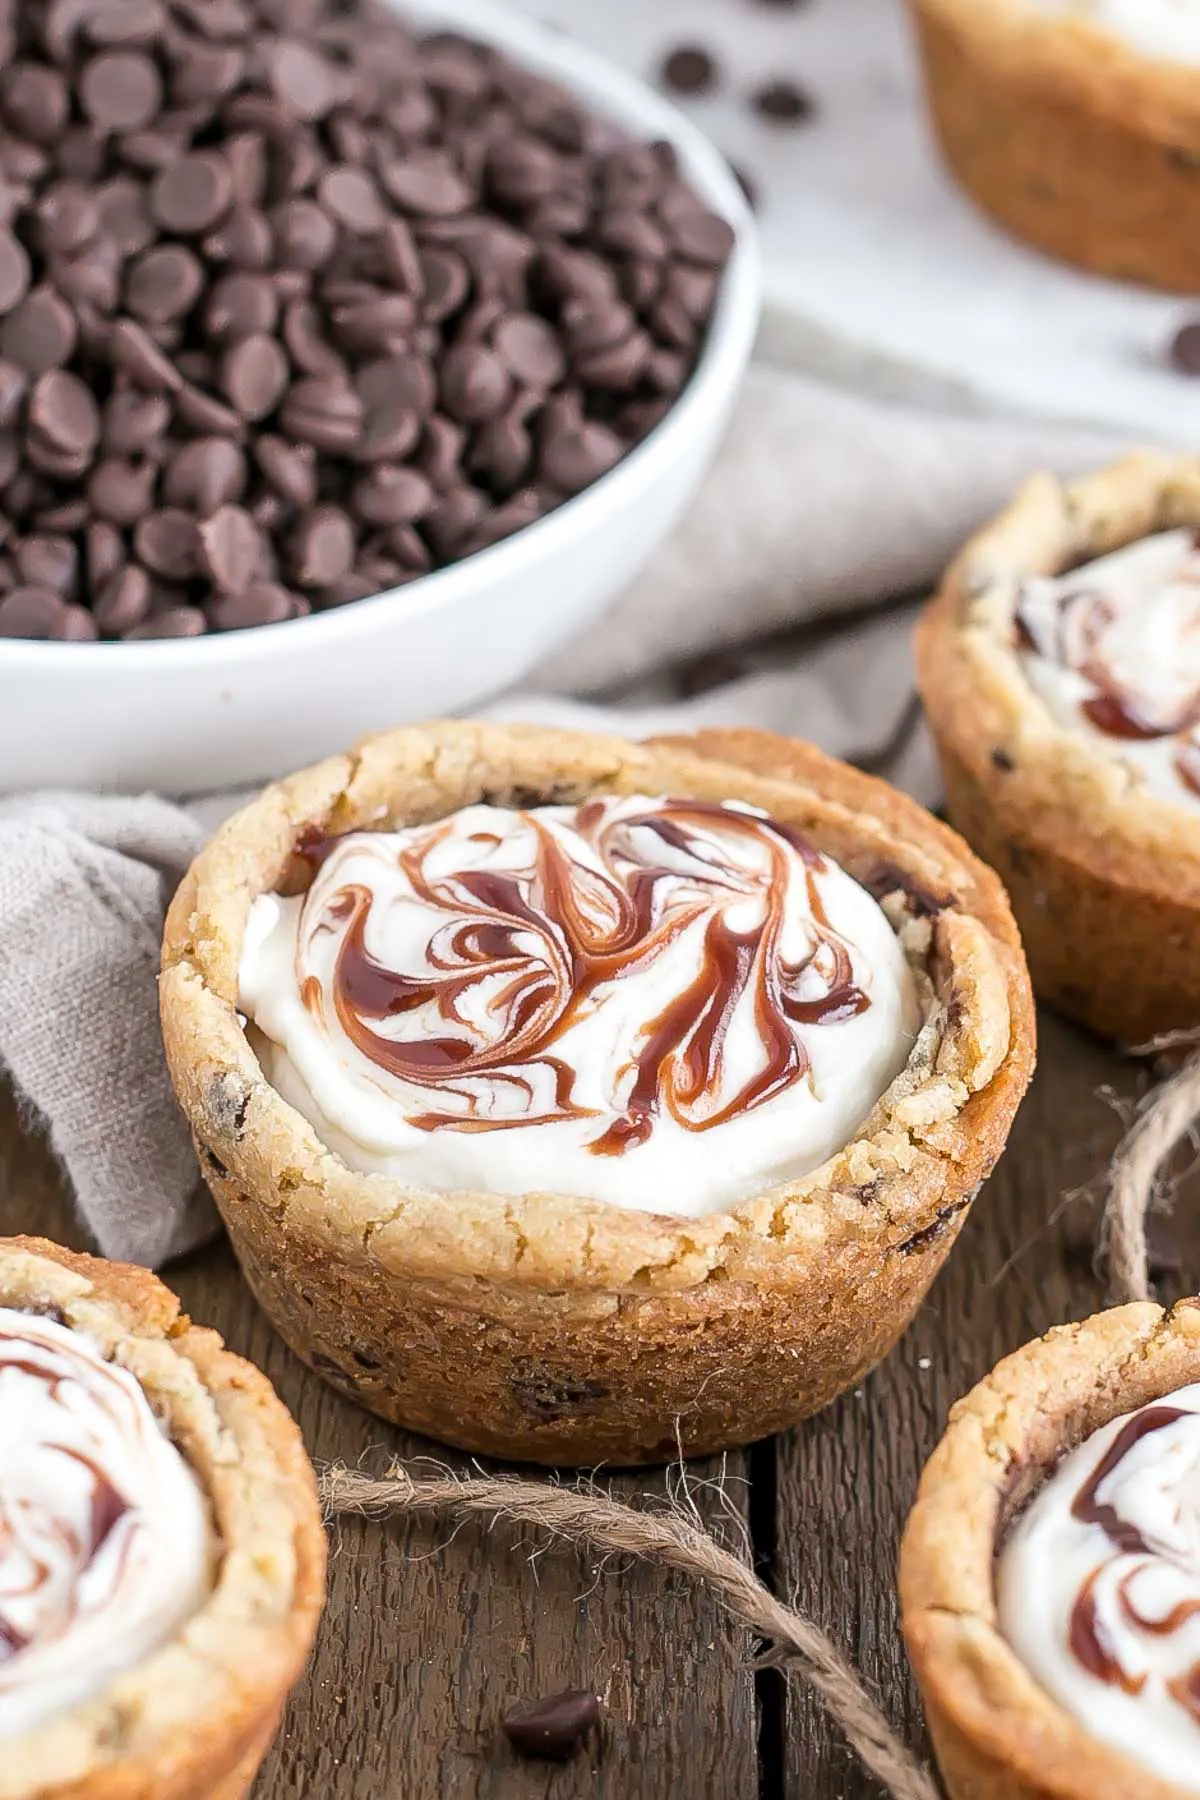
(210, 712)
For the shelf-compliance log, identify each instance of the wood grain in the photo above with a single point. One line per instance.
(430, 1637)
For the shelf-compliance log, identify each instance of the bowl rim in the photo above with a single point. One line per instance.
(726, 349)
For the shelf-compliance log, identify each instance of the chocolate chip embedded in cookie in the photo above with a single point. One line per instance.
(612, 1098)
(1050, 1570)
(1060, 668)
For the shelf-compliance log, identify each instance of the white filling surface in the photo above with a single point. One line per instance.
(1124, 632)
(105, 1544)
(1105, 1611)
(659, 1004)
(1165, 29)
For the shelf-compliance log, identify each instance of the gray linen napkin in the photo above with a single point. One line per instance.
(819, 506)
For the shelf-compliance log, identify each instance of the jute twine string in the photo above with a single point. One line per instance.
(672, 1538)
(1165, 1119)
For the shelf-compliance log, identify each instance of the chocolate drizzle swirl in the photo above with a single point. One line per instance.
(525, 955)
(35, 1551)
(1088, 1638)
(1083, 620)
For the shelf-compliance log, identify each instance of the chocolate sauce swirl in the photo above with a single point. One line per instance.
(1123, 634)
(530, 951)
(91, 1574)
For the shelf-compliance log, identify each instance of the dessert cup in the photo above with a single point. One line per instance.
(998, 1734)
(192, 1718)
(1103, 871)
(555, 1328)
(1078, 136)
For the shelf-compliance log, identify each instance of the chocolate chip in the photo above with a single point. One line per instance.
(166, 543)
(323, 411)
(689, 70)
(122, 601)
(782, 102)
(555, 1728)
(230, 549)
(63, 413)
(474, 384)
(193, 193)
(171, 622)
(240, 306)
(48, 561)
(119, 491)
(120, 91)
(262, 603)
(575, 455)
(164, 284)
(351, 197)
(254, 374)
(75, 625)
(40, 333)
(322, 550)
(303, 82)
(205, 474)
(1185, 348)
(134, 350)
(390, 495)
(14, 272)
(30, 612)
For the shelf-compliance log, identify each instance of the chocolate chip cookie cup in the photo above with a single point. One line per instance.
(576, 1100)
(1060, 669)
(1076, 125)
(1050, 1570)
(162, 1555)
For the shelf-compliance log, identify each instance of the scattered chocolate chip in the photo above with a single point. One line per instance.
(782, 102)
(553, 1729)
(689, 70)
(1185, 348)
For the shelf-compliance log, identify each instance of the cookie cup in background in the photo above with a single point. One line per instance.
(193, 1719)
(997, 1733)
(1068, 135)
(555, 1328)
(1103, 875)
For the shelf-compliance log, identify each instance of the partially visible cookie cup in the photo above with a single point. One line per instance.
(194, 1719)
(1104, 878)
(998, 1735)
(553, 1328)
(1067, 136)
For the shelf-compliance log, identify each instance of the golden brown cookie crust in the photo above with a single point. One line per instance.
(1103, 877)
(997, 1734)
(1068, 137)
(557, 1329)
(195, 1719)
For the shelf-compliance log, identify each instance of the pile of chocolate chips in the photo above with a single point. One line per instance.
(296, 305)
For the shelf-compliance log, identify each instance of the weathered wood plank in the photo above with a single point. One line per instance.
(431, 1637)
(846, 1480)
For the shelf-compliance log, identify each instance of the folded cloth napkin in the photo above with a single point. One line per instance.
(768, 607)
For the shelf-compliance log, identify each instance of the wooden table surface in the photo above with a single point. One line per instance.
(431, 1635)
